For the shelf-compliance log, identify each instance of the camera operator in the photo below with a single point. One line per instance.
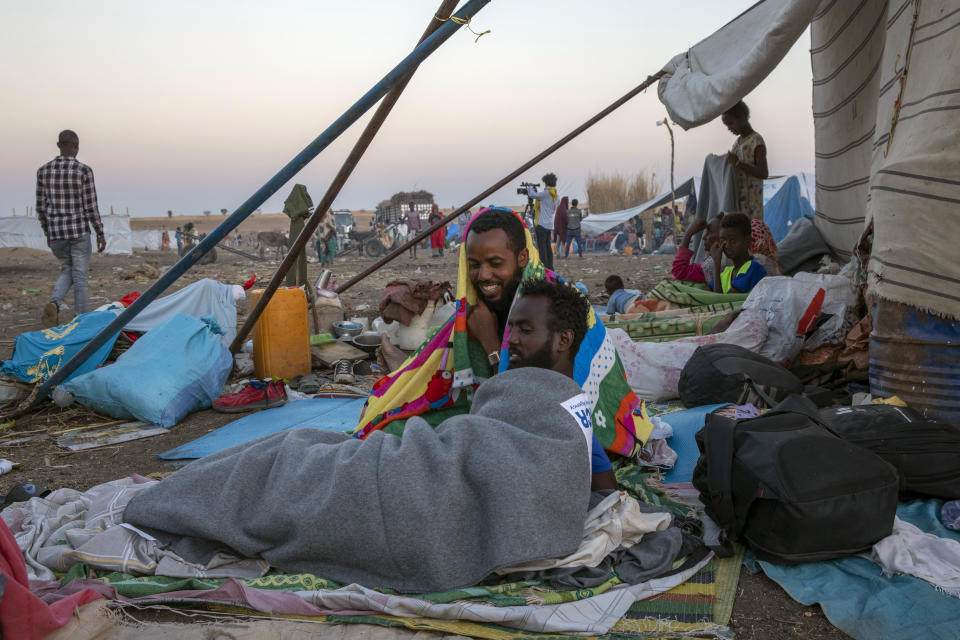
(544, 209)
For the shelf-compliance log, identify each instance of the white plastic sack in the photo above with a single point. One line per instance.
(833, 330)
(707, 79)
(198, 299)
(653, 368)
(782, 301)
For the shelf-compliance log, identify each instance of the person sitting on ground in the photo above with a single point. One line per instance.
(682, 268)
(547, 325)
(620, 299)
(438, 380)
(734, 242)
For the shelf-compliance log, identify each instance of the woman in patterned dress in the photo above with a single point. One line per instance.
(749, 158)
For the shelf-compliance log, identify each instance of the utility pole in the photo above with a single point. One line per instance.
(673, 194)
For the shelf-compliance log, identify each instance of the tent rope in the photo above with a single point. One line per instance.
(465, 23)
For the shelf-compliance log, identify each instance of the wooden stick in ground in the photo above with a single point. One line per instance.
(506, 179)
(442, 14)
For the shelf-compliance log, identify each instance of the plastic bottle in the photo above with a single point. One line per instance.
(5, 466)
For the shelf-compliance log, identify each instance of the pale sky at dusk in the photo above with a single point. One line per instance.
(194, 105)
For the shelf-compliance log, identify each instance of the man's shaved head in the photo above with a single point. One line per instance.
(68, 137)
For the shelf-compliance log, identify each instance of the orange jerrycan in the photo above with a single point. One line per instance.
(281, 336)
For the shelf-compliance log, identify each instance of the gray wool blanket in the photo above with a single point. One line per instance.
(434, 510)
(718, 192)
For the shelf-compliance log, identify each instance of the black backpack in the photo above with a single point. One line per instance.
(790, 489)
(719, 372)
(925, 452)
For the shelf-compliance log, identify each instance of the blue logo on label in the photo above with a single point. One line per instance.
(583, 415)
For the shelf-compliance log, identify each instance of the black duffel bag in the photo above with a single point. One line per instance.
(720, 372)
(925, 452)
(791, 490)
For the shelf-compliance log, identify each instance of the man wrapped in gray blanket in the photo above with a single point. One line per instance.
(434, 510)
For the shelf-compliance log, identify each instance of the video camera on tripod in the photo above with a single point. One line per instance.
(522, 191)
(528, 210)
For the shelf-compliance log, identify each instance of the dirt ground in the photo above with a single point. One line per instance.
(253, 224)
(763, 611)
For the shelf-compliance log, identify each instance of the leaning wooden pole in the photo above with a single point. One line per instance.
(503, 181)
(322, 208)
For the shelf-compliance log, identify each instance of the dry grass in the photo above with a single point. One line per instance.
(614, 191)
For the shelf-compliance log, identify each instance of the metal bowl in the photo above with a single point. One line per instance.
(346, 328)
(368, 341)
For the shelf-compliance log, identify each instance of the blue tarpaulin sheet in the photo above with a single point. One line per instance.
(858, 599)
(787, 205)
(171, 371)
(685, 425)
(331, 414)
(38, 354)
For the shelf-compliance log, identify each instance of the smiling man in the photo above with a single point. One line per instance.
(496, 255)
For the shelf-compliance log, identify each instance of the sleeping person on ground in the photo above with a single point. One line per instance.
(438, 508)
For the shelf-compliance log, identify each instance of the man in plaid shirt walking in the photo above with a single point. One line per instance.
(67, 208)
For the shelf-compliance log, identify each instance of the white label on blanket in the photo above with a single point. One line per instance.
(579, 407)
(142, 534)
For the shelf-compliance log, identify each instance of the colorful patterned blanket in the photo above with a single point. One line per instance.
(439, 379)
(690, 295)
(700, 606)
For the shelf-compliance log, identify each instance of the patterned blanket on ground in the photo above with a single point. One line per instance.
(693, 311)
(688, 295)
(439, 379)
(701, 605)
(664, 326)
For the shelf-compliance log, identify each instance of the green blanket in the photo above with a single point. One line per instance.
(665, 326)
(688, 295)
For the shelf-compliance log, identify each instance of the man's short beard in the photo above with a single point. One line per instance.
(542, 358)
(502, 308)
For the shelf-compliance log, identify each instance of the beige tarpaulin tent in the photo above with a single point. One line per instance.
(886, 109)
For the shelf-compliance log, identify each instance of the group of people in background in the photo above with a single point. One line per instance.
(740, 250)
(409, 227)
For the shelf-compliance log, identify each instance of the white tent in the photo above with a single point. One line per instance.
(886, 110)
(594, 225)
(150, 240)
(25, 231)
(22, 231)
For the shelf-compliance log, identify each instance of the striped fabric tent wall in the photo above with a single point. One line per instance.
(886, 107)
